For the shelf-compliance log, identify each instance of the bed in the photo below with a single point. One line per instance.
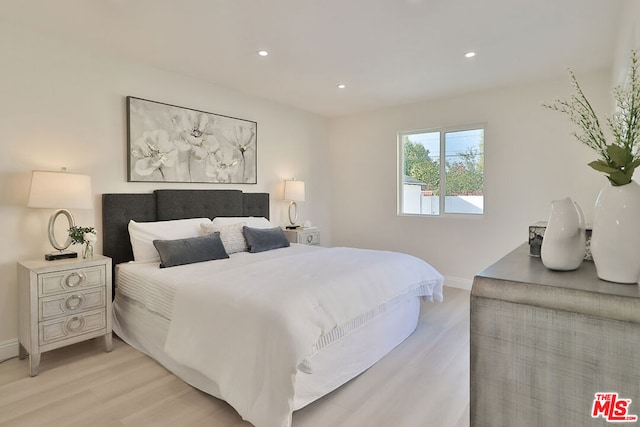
(267, 330)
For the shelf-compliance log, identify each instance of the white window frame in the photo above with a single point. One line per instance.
(442, 187)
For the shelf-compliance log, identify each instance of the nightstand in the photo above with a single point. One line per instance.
(306, 236)
(61, 303)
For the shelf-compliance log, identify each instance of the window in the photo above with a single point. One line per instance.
(441, 171)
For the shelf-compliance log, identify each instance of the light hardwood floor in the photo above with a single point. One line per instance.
(424, 382)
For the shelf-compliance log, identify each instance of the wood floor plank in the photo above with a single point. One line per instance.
(60, 384)
(171, 411)
(423, 382)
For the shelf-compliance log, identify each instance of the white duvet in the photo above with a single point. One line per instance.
(249, 331)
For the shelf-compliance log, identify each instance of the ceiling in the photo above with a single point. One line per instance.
(387, 52)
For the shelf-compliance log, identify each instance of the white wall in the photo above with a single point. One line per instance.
(628, 39)
(530, 160)
(61, 105)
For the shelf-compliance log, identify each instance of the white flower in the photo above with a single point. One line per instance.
(194, 128)
(90, 237)
(620, 158)
(223, 163)
(153, 151)
(244, 138)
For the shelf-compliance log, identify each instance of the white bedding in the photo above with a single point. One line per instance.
(286, 305)
(331, 367)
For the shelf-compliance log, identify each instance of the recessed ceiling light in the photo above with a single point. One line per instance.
(469, 54)
(263, 53)
(341, 86)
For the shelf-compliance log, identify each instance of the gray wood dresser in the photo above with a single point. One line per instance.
(543, 343)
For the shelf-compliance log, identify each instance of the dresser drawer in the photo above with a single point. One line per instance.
(309, 238)
(303, 236)
(66, 280)
(71, 302)
(72, 325)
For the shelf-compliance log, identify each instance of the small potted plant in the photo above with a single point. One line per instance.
(85, 236)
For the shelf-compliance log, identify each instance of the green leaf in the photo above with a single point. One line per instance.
(620, 178)
(619, 155)
(602, 166)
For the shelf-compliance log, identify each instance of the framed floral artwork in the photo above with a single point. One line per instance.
(167, 143)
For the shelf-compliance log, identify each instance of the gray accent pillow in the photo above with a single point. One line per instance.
(190, 250)
(265, 239)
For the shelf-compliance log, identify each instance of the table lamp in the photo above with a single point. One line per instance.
(61, 191)
(293, 192)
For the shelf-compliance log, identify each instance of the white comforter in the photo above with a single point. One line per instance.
(249, 332)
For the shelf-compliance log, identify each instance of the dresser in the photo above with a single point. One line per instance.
(543, 343)
(305, 236)
(62, 302)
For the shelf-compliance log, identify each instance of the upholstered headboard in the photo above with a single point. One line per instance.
(162, 205)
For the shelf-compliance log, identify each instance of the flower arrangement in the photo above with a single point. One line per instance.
(82, 234)
(619, 159)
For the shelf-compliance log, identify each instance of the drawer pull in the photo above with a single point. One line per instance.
(75, 279)
(310, 238)
(76, 323)
(74, 302)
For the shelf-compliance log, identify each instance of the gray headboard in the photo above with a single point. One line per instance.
(162, 205)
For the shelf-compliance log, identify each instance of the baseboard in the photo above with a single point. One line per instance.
(8, 349)
(457, 282)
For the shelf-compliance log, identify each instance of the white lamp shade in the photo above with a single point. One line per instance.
(56, 190)
(294, 190)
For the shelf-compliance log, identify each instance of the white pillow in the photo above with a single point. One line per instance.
(142, 235)
(250, 221)
(232, 235)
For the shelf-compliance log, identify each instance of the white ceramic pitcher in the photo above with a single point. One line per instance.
(564, 241)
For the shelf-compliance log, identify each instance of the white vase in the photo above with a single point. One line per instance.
(564, 242)
(615, 242)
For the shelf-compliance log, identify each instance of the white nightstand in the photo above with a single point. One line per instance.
(306, 236)
(62, 302)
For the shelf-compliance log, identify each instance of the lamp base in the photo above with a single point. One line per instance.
(60, 255)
